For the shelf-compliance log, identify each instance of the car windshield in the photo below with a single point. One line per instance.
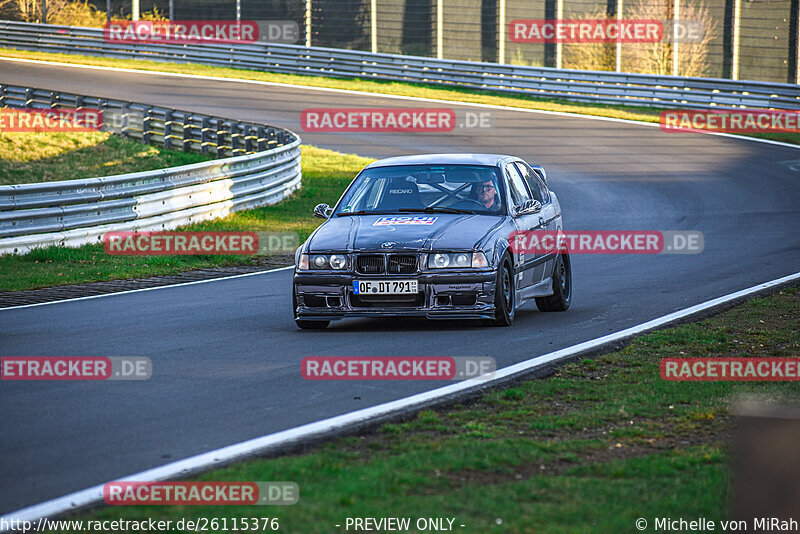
(425, 188)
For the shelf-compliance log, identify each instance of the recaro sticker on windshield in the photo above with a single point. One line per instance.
(397, 220)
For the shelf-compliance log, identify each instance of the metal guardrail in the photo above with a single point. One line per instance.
(573, 85)
(263, 168)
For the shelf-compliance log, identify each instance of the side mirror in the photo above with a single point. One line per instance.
(322, 211)
(540, 171)
(529, 207)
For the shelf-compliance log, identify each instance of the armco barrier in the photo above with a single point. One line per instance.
(582, 86)
(263, 167)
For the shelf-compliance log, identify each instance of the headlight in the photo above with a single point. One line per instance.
(335, 262)
(457, 260)
(439, 261)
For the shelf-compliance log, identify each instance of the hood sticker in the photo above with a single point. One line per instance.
(391, 221)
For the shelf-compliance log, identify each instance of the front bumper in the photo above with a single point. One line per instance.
(442, 295)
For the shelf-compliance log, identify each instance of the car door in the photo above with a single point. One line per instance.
(547, 219)
(519, 193)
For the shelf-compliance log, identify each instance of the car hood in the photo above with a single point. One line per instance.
(440, 231)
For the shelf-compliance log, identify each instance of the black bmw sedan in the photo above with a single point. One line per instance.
(429, 236)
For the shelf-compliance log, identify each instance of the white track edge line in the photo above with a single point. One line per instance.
(127, 291)
(386, 95)
(94, 494)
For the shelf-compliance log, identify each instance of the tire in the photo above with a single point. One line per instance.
(504, 298)
(302, 323)
(562, 287)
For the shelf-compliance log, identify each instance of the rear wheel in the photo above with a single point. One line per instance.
(504, 301)
(302, 323)
(562, 287)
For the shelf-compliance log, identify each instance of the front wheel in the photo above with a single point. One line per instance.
(504, 295)
(562, 287)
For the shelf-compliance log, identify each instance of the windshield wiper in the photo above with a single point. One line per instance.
(435, 209)
(361, 212)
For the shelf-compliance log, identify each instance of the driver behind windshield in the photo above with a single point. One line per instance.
(486, 194)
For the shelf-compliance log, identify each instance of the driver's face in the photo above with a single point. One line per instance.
(486, 193)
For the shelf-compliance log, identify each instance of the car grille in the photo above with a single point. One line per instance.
(402, 264)
(370, 264)
(378, 264)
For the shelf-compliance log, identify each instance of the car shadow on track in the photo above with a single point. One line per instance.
(421, 324)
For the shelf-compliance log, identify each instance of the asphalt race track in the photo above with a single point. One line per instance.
(226, 353)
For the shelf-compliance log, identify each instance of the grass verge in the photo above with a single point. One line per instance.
(385, 87)
(592, 448)
(47, 157)
(325, 175)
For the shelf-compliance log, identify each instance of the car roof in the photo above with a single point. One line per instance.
(442, 159)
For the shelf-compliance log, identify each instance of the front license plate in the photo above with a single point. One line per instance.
(385, 287)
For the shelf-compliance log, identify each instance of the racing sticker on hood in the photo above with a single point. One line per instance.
(391, 221)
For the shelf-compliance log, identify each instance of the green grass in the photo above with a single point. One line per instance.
(590, 449)
(47, 157)
(455, 94)
(325, 175)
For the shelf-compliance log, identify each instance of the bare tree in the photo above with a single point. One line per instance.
(649, 58)
(22, 10)
(590, 56)
(656, 58)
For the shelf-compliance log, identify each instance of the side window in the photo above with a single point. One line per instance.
(535, 183)
(516, 185)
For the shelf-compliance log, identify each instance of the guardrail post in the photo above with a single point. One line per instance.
(205, 126)
(220, 138)
(124, 126)
(79, 102)
(102, 105)
(187, 133)
(168, 129)
(2, 95)
(28, 97)
(53, 100)
(235, 137)
(262, 138)
(248, 139)
(147, 116)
